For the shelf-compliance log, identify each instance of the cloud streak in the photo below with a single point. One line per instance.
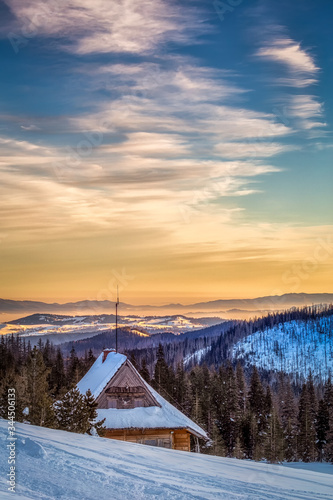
(121, 26)
(289, 53)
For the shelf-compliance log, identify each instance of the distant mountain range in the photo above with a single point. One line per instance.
(230, 306)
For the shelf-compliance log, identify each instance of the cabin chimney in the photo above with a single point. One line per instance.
(106, 352)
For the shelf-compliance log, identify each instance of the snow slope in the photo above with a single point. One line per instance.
(196, 356)
(295, 347)
(55, 464)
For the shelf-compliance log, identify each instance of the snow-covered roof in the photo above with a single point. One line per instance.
(100, 373)
(165, 416)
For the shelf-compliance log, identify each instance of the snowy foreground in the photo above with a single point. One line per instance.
(54, 464)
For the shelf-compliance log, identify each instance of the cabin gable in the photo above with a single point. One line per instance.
(126, 390)
(131, 409)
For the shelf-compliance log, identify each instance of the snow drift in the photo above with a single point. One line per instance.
(54, 464)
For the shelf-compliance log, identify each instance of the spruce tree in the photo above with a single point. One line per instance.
(227, 416)
(274, 438)
(9, 383)
(307, 423)
(90, 359)
(144, 372)
(180, 384)
(78, 413)
(289, 422)
(161, 381)
(73, 368)
(257, 408)
(57, 375)
(328, 399)
(72, 413)
(91, 408)
(322, 428)
(38, 399)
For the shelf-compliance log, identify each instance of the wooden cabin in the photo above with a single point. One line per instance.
(132, 409)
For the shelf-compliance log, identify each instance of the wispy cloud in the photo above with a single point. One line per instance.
(88, 26)
(302, 112)
(290, 53)
(250, 149)
(299, 63)
(307, 110)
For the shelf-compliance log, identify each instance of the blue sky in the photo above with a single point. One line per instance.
(189, 144)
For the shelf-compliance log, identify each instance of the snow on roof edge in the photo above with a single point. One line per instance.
(103, 371)
(158, 396)
(99, 375)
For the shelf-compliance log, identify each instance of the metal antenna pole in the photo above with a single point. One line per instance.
(117, 303)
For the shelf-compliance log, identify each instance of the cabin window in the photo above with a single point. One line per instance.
(151, 442)
(161, 442)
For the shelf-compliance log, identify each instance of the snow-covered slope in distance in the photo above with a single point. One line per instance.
(295, 347)
(196, 356)
(54, 464)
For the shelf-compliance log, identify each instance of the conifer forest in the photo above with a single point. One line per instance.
(248, 412)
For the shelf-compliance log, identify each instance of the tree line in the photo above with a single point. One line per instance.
(245, 416)
(45, 386)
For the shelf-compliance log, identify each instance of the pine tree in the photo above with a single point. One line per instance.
(218, 446)
(91, 359)
(227, 416)
(247, 434)
(289, 422)
(180, 382)
(274, 441)
(73, 368)
(95, 427)
(144, 372)
(322, 428)
(161, 379)
(38, 399)
(57, 375)
(328, 399)
(241, 390)
(256, 403)
(78, 413)
(133, 360)
(9, 383)
(72, 413)
(307, 423)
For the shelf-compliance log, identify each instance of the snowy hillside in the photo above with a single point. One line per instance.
(56, 464)
(196, 356)
(86, 326)
(296, 347)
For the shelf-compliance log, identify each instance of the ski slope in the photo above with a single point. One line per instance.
(54, 464)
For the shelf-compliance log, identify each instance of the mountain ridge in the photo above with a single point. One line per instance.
(274, 301)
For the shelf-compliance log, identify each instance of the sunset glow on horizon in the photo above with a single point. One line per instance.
(182, 153)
